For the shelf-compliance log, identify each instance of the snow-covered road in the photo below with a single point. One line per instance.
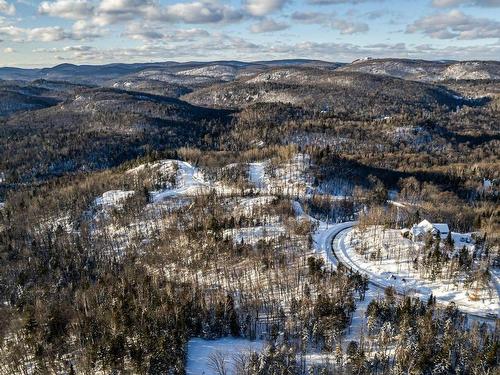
(340, 253)
(324, 233)
(324, 236)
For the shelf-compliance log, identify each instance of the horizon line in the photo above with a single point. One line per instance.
(33, 67)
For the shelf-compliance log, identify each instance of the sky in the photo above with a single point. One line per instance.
(37, 33)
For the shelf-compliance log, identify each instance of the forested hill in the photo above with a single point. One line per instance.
(98, 128)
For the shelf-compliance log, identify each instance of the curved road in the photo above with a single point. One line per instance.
(326, 242)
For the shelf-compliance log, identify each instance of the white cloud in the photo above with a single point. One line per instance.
(263, 7)
(139, 32)
(268, 25)
(86, 30)
(145, 34)
(311, 17)
(454, 3)
(345, 27)
(113, 11)
(72, 9)
(186, 35)
(200, 12)
(455, 25)
(330, 2)
(348, 27)
(8, 50)
(43, 34)
(6, 8)
(197, 12)
(77, 48)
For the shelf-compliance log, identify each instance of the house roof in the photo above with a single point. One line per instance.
(416, 230)
(441, 227)
(427, 226)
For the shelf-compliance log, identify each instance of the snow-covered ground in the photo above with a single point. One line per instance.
(288, 178)
(113, 198)
(53, 223)
(248, 206)
(252, 235)
(189, 181)
(223, 72)
(291, 178)
(359, 320)
(256, 172)
(381, 277)
(200, 351)
(164, 167)
(400, 275)
(176, 182)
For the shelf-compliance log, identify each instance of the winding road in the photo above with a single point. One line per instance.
(329, 242)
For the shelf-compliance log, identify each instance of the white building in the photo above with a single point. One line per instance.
(418, 231)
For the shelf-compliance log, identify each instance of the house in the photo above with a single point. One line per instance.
(418, 231)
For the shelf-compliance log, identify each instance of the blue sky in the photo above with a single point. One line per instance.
(46, 33)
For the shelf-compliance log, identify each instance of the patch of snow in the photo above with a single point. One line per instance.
(54, 223)
(189, 181)
(323, 233)
(487, 184)
(252, 235)
(213, 71)
(113, 198)
(248, 206)
(256, 174)
(470, 70)
(200, 350)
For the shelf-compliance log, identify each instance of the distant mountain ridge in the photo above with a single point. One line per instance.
(99, 73)
(427, 71)
(337, 91)
(227, 70)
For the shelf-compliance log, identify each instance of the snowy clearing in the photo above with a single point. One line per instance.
(189, 181)
(405, 280)
(200, 350)
(257, 174)
(113, 198)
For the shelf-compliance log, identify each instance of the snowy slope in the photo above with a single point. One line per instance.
(222, 72)
(113, 198)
